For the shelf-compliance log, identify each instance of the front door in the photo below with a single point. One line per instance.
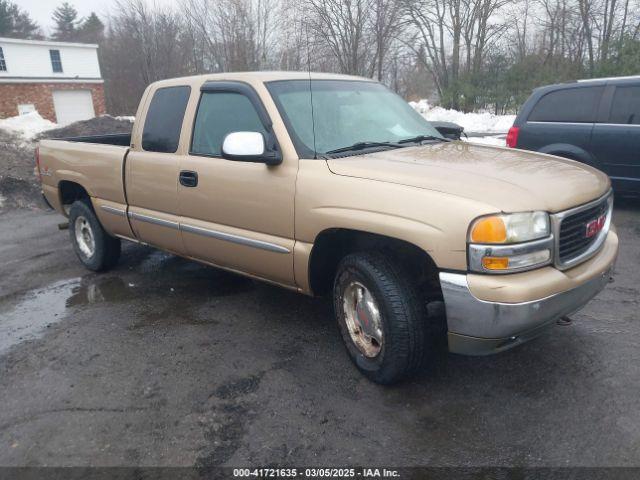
(238, 215)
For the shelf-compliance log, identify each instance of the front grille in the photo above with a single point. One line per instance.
(573, 240)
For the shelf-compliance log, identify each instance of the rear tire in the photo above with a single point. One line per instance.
(381, 315)
(96, 249)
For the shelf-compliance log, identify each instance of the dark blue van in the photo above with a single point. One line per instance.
(593, 121)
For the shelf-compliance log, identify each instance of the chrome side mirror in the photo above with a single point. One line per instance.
(244, 146)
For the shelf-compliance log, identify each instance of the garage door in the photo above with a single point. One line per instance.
(72, 105)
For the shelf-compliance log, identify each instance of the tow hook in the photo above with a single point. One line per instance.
(63, 226)
(564, 321)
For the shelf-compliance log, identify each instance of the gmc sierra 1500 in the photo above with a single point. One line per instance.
(333, 184)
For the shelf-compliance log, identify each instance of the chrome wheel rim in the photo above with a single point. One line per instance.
(84, 237)
(363, 319)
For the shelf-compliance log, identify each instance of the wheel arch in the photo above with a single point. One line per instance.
(69, 191)
(572, 152)
(332, 244)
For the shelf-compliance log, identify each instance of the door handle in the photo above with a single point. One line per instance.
(188, 178)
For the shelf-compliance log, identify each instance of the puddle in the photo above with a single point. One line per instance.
(37, 310)
(108, 289)
(31, 316)
(181, 280)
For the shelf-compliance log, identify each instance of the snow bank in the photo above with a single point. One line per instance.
(498, 141)
(472, 122)
(27, 126)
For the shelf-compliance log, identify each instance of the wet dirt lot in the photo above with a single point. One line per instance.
(166, 362)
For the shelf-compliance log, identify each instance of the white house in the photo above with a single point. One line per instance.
(60, 80)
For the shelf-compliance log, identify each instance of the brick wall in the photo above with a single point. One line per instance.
(40, 95)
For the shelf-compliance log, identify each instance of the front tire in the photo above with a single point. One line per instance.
(381, 316)
(96, 249)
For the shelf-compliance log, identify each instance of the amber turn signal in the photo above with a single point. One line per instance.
(495, 263)
(489, 230)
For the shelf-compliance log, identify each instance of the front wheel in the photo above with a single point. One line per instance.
(95, 248)
(381, 316)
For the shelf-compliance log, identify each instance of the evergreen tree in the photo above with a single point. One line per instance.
(16, 23)
(91, 30)
(66, 22)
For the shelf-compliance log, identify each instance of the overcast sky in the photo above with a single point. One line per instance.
(41, 10)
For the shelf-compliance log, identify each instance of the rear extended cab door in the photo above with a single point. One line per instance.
(151, 174)
(615, 140)
(239, 215)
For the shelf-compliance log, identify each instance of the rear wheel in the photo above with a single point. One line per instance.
(95, 248)
(381, 316)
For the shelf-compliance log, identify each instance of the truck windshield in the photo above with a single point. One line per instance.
(346, 113)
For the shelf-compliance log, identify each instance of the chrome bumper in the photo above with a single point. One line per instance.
(478, 327)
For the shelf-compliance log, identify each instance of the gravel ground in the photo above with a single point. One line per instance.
(167, 362)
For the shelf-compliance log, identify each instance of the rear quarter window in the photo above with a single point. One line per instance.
(576, 105)
(625, 108)
(163, 123)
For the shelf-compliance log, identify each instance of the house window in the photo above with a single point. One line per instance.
(3, 64)
(56, 62)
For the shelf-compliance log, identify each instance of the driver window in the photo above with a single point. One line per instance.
(219, 114)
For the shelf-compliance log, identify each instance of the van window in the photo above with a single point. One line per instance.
(577, 105)
(219, 114)
(625, 108)
(163, 123)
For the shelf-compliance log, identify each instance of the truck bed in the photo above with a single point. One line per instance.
(121, 139)
(94, 162)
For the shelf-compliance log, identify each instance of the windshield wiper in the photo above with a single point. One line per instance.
(422, 138)
(363, 145)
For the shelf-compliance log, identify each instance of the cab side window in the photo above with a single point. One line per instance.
(163, 123)
(625, 108)
(570, 105)
(219, 114)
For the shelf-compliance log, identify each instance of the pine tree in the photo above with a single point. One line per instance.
(16, 23)
(91, 30)
(66, 22)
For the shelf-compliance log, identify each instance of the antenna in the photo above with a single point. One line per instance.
(313, 120)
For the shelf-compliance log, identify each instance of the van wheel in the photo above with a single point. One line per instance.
(95, 248)
(381, 316)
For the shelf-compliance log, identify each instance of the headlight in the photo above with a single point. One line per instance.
(508, 243)
(510, 228)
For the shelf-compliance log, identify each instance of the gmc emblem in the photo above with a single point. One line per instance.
(594, 226)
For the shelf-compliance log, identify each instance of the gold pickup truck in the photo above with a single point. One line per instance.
(331, 184)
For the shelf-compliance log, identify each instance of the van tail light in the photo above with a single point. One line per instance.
(37, 169)
(512, 137)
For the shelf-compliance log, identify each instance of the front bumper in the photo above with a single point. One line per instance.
(481, 327)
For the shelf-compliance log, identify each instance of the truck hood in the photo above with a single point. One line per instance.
(509, 180)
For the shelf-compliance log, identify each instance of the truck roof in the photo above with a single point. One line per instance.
(252, 77)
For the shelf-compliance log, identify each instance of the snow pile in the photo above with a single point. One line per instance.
(27, 126)
(472, 122)
(498, 140)
(126, 118)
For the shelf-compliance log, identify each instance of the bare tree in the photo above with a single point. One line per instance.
(341, 26)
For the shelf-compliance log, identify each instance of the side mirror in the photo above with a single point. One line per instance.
(248, 147)
(449, 130)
